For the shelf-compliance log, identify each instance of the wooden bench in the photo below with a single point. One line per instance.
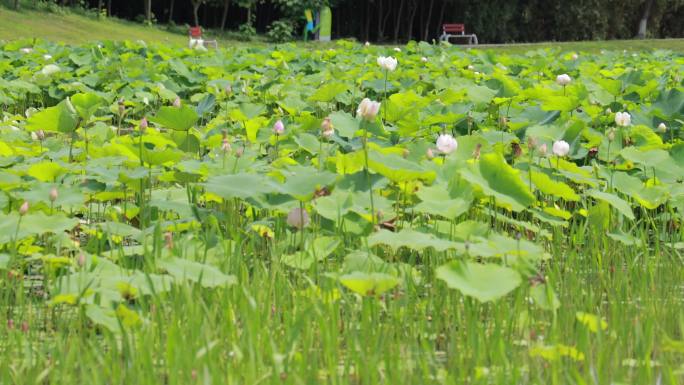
(195, 34)
(457, 31)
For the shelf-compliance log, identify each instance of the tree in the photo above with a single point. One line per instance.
(226, 5)
(641, 33)
(195, 8)
(148, 11)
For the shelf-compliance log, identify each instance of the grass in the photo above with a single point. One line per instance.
(71, 28)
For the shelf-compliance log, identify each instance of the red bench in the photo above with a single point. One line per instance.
(457, 31)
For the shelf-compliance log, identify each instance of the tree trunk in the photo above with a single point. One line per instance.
(384, 21)
(641, 33)
(368, 19)
(380, 31)
(397, 25)
(171, 10)
(226, 4)
(109, 8)
(195, 8)
(99, 8)
(412, 18)
(427, 21)
(441, 18)
(148, 11)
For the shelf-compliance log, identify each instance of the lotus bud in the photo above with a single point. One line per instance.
(563, 80)
(81, 259)
(24, 208)
(611, 134)
(24, 327)
(168, 240)
(575, 56)
(476, 151)
(327, 129)
(503, 121)
(225, 145)
(662, 128)
(177, 102)
(53, 194)
(405, 153)
(608, 111)
(623, 119)
(561, 148)
(531, 143)
(429, 153)
(228, 89)
(143, 124)
(397, 49)
(543, 149)
(239, 152)
(368, 109)
(10, 324)
(279, 127)
(387, 63)
(446, 144)
(298, 218)
(40, 134)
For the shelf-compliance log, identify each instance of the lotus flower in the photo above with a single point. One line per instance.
(424, 59)
(623, 119)
(561, 148)
(387, 63)
(279, 127)
(50, 69)
(298, 218)
(368, 109)
(662, 127)
(563, 80)
(177, 102)
(54, 194)
(143, 124)
(446, 144)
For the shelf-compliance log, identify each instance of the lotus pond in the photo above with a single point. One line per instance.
(244, 216)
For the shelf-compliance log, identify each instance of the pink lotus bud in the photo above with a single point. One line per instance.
(53, 194)
(225, 145)
(239, 152)
(298, 218)
(143, 124)
(429, 153)
(228, 89)
(24, 327)
(543, 149)
(177, 102)
(168, 240)
(24, 208)
(81, 259)
(279, 127)
(10, 324)
(368, 109)
(327, 129)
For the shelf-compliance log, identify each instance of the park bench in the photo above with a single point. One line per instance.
(457, 31)
(195, 34)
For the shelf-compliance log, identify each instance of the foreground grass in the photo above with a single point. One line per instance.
(73, 28)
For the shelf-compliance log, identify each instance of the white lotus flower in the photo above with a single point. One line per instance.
(623, 119)
(563, 80)
(662, 127)
(397, 49)
(47, 56)
(298, 218)
(26, 50)
(561, 148)
(367, 44)
(368, 109)
(575, 56)
(446, 144)
(424, 59)
(50, 69)
(387, 63)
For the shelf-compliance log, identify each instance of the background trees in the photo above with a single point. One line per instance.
(494, 21)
